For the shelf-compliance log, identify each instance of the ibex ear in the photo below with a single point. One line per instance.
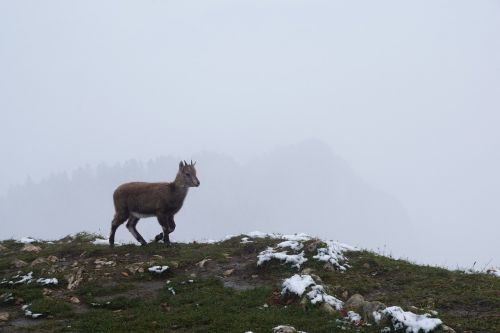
(181, 165)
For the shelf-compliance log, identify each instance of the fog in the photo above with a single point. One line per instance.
(373, 123)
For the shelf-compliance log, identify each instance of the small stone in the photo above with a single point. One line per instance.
(328, 267)
(74, 300)
(174, 264)
(366, 265)
(52, 258)
(317, 279)
(254, 276)
(370, 307)
(50, 317)
(327, 308)
(31, 248)
(345, 294)
(3, 248)
(157, 256)
(4, 316)
(313, 246)
(125, 274)
(202, 263)
(193, 275)
(38, 261)
(228, 272)
(307, 271)
(447, 329)
(18, 263)
(46, 292)
(75, 279)
(354, 302)
(284, 329)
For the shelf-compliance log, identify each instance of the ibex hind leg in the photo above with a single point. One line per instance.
(117, 221)
(132, 222)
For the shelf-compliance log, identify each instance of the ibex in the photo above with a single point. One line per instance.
(136, 200)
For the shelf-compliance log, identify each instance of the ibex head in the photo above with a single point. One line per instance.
(187, 174)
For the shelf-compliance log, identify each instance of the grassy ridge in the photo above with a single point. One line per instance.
(227, 293)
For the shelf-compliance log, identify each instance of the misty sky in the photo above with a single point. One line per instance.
(408, 93)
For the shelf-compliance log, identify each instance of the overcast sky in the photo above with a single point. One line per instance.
(407, 92)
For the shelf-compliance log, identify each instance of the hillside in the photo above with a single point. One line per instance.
(247, 283)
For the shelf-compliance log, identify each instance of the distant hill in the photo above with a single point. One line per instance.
(300, 187)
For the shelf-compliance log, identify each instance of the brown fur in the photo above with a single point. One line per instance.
(163, 200)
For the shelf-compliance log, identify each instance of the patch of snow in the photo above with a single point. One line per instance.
(353, 316)
(245, 240)
(29, 313)
(294, 245)
(297, 237)
(377, 316)
(258, 234)
(100, 241)
(23, 279)
(297, 284)
(494, 271)
(295, 259)
(385, 330)
(158, 269)
(47, 281)
(413, 322)
(318, 294)
(334, 254)
(171, 289)
(27, 240)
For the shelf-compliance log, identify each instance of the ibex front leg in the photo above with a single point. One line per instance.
(132, 222)
(168, 225)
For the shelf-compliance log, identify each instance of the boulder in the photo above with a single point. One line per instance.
(31, 248)
(18, 263)
(354, 302)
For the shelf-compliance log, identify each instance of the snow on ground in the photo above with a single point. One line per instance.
(47, 281)
(27, 240)
(297, 284)
(334, 254)
(318, 294)
(413, 322)
(100, 241)
(245, 240)
(294, 245)
(29, 313)
(494, 271)
(295, 259)
(353, 317)
(158, 269)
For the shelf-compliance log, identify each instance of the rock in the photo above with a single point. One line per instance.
(31, 248)
(284, 329)
(202, 263)
(135, 267)
(174, 264)
(46, 292)
(366, 265)
(447, 329)
(75, 279)
(125, 274)
(38, 261)
(74, 300)
(354, 302)
(345, 294)
(228, 272)
(254, 276)
(313, 246)
(328, 267)
(157, 256)
(3, 248)
(317, 279)
(104, 262)
(4, 316)
(52, 258)
(370, 307)
(18, 263)
(307, 271)
(327, 308)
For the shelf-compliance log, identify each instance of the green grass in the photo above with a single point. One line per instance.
(143, 302)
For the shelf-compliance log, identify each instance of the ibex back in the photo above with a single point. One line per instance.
(136, 200)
